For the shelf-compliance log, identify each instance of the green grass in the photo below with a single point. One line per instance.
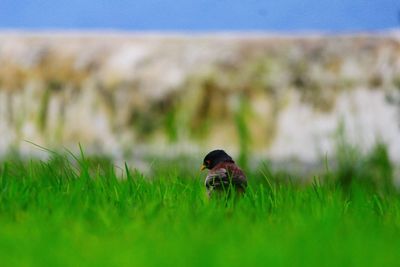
(84, 212)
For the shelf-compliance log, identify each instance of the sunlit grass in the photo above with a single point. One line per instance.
(81, 211)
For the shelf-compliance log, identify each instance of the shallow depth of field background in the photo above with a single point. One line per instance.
(107, 110)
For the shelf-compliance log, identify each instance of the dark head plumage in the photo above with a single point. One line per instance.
(215, 157)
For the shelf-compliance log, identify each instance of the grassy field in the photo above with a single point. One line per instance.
(78, 212)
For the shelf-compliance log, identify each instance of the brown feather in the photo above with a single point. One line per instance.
(225, 174)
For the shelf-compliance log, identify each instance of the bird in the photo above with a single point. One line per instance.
(223, 173)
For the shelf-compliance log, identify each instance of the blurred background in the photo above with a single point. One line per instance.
(278, 80)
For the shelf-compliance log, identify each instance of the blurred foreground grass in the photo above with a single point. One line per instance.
(85, 212)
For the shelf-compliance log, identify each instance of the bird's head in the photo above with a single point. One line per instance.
(215, 157)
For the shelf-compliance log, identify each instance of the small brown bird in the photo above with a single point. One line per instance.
(223, 174)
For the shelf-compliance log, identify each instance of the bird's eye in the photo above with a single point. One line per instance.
(207, 162)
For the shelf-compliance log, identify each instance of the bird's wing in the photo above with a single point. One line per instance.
(237, 176)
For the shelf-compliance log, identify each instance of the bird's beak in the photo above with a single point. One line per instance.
(202, 167)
